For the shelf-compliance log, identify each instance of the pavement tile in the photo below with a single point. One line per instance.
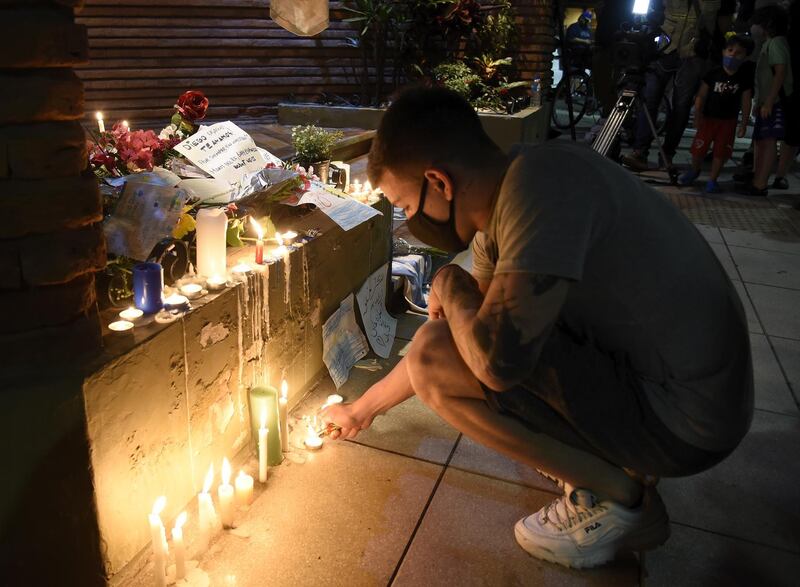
(341, 518)
(407, 325)
(694, 558)
(772, 390)
(767, 267)
(467, 538)
(778, 309)
(750, 495)
(476, 458)
(764, 241)
(411, 428)
(711, 233)
(725, 258)
(788, 353)
(753, 324)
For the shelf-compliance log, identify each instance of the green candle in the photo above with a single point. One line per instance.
(264, 400)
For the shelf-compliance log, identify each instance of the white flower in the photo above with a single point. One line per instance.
(168, 132)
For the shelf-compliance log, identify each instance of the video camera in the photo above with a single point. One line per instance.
(640, 41)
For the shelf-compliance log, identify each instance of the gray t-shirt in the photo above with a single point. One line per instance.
(645, 283)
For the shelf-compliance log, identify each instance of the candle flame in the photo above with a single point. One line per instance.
(241, 474)
(263, 417)
(226, 471)
(284, 389)
(279, 238)
(181, 520)
(368, 187)
(257, 226)
(98, 115)
(289, 235)
(209, 479)
(125, 124)
(159, 505)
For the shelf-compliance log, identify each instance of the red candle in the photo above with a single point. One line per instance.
(260, 252)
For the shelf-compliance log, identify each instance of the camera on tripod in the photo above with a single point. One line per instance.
(640, 42)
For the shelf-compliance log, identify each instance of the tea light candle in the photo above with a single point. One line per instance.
(121, 326)
(225, 495)
(216, 282)
(159, 539)
(240, 271)
(334, 399)
(244, 489)
(176, 302)
(100, 124)
(283, 415)
(312, 440)
(288, 236)
(259, 242)
(262, 447)
(192, 290)
(179, 547)
(208, 521)
(131, 314)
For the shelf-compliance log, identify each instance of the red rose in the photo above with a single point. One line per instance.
(192, 105)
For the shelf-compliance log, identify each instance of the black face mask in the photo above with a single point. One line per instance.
(439, 234)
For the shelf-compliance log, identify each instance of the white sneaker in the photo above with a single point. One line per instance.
(577, 530)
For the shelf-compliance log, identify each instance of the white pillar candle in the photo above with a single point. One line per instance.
(178, 546)
(208, 522)
(262, 448)
(100, 124)
(225, 495)
(159, 538)
(283, 405)
(212, 224)
(244, 489)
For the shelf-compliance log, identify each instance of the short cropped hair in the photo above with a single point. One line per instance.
(425, 126)
(744, 41)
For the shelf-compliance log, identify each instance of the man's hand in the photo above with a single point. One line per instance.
(698, 121)
(766, 109)
(348, 418)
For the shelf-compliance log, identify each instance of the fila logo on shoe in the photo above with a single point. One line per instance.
(591, 527)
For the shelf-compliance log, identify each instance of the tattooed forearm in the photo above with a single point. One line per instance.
(501, 336)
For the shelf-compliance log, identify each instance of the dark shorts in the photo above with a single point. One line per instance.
(592, 400)
(717, 131)
(771, 127)
(793, 119)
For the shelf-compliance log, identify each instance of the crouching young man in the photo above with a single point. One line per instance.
(597, 339)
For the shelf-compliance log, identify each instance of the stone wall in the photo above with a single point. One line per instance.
(164, 404)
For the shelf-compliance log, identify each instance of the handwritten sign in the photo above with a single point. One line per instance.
(345, 212)
(379, 325)
(223, 150)
(343, 343)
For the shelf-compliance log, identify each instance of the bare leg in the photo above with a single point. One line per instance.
(788, 153)
(697, 164)
(716, 167)
(442, 380)
(764, 161)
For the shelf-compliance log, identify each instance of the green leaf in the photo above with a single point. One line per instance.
(233, 236)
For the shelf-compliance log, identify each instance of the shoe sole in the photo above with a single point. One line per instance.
(647, 538)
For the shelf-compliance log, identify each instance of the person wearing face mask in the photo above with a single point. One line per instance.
(725, 91)
(597, 336)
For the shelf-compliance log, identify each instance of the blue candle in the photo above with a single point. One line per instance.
(148, 281)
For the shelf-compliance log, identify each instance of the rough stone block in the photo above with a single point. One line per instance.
(137, 423)
(40, 95)
(40, 307)
(42, 151)
(41, 38)
(48, 205)
(59, 257)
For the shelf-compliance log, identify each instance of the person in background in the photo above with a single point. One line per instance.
(725, 91)
(791, 140)
(604, 73)
(773, 86)
(579, 42)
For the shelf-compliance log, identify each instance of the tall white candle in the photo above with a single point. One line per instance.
(159, 538)
(208, 521)
(283, 404)
(225, 494)
(212, 225)
(262, 448)
(244, 489)
(100, 124)
(179, 547)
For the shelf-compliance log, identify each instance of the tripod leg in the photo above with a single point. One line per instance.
(604, 141)
(671, 171)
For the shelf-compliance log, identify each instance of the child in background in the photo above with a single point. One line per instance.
(773, 87)
(724, 91)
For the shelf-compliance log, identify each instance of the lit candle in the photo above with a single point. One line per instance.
(263, 447)
(100, 124)
(356, 188)
(312, 440)
(240, 271)
(212, 226)
(126, 125)
(216, 282)
(333, 399)
(159, 538)
(122, 326)
(179, 547)
(259, 241)
(131, 314)
(225, 495)
(176, 302)
(208, 521)
(288, 237)
(192, 290)
(283, 416)
(264, 399)
(244, 489)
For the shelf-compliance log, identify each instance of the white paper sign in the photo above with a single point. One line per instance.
(223, 150)
(345, 212)
(378, 323)
(343, 343)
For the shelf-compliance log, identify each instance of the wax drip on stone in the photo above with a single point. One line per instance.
(240, 338)
(265, 287)
(287, 274)
(306, 286)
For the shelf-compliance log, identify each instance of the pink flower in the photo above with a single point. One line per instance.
(138, 149)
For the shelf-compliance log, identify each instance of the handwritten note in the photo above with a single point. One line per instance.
(378, 323)
(223, 150)
(345, 212)
(343, 343)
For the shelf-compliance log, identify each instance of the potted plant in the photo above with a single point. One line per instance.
(313, 146)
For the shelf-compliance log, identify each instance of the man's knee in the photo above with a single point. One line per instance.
(428, 359)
